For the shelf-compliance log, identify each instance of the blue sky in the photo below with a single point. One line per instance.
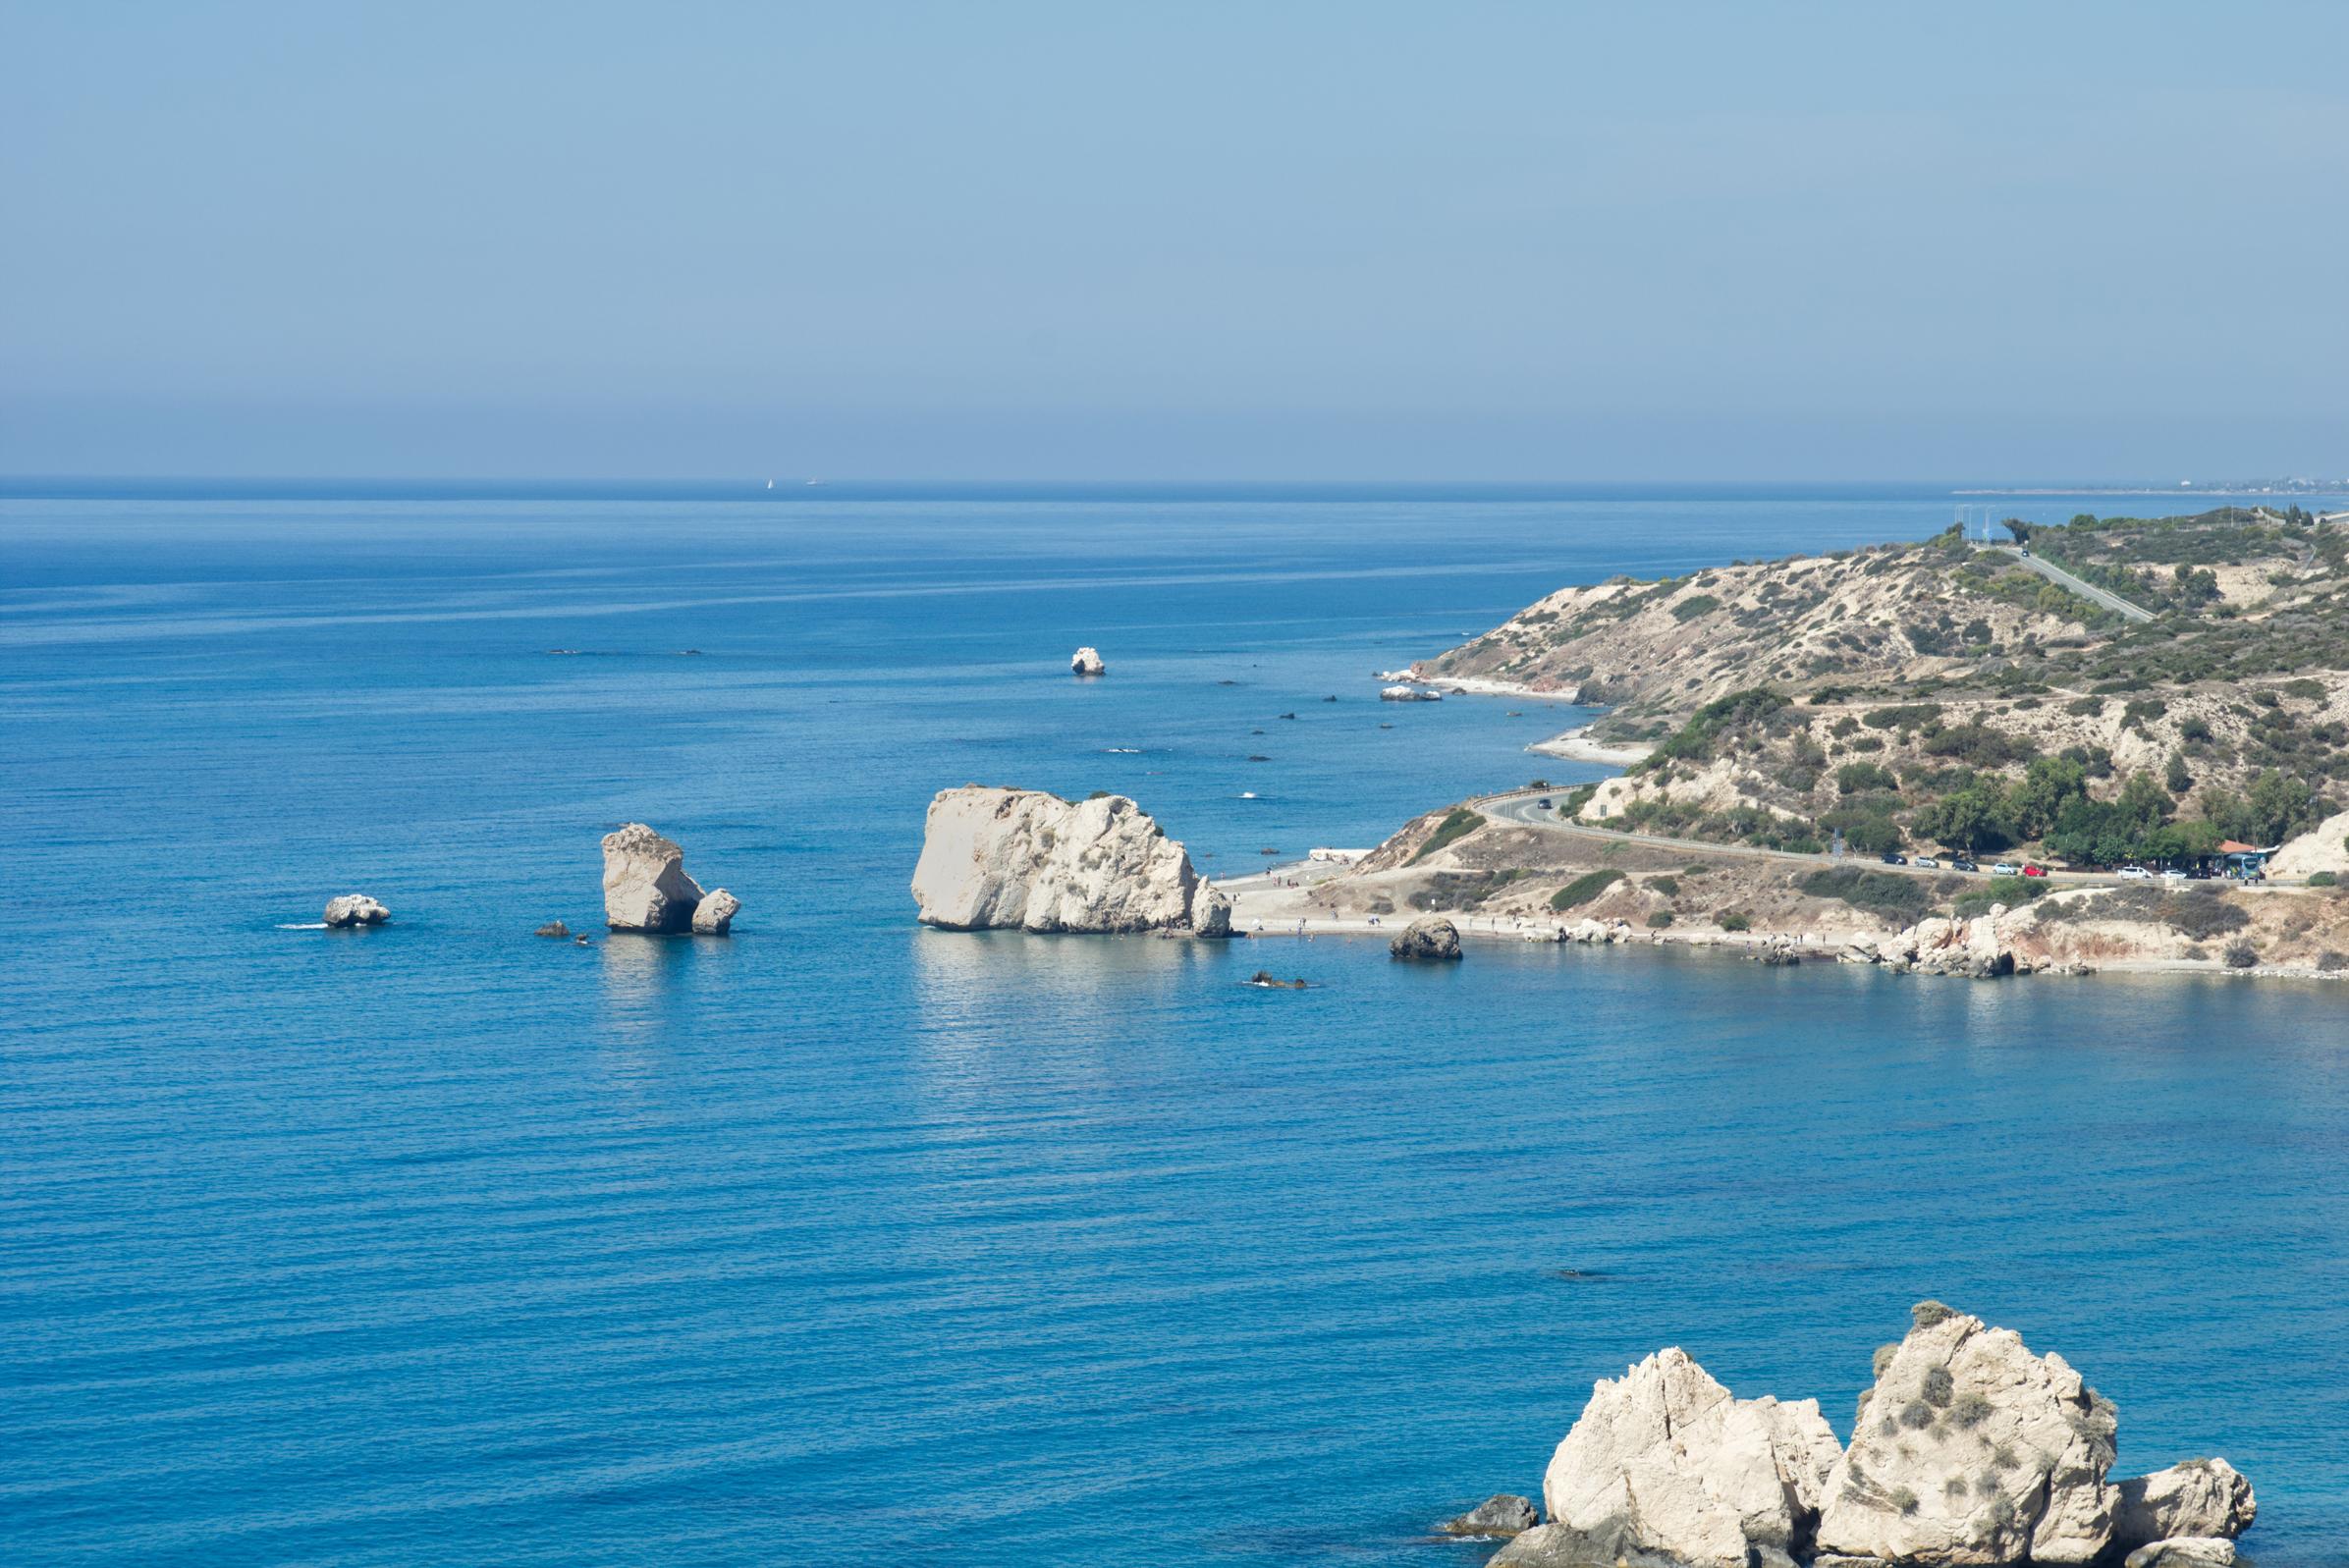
(1206, 240)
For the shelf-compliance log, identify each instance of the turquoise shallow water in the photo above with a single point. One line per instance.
(846, 1241)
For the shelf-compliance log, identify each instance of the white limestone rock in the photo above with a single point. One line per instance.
(355, 909)
(1087, 662)
(2198, 1497)
(1664, 1466)
(1030, 860)
(646, 885)
(2184, 1552)
(714, 915)
(1971, 1450)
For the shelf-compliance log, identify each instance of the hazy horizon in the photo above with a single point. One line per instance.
(1044, 243)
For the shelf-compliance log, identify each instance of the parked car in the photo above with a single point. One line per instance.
(1893, 857)
(2134, 873)
(2173, 874)
(2032, 868)
(1963, 863)
(1927, 863)
(2006, 868)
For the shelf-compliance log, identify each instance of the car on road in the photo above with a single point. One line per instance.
(1927, 863)
(2006, 868)
(1963, 863)
(2032, 868)
(1893, 857)
(2134, 873)
(2173, 874)
(1544, 803)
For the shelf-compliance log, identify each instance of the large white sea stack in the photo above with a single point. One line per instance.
(1086, 661)
(1027, 859)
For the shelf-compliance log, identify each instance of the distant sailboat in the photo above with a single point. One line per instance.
(770, 484)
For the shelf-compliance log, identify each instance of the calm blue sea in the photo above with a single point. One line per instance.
(845, 1242)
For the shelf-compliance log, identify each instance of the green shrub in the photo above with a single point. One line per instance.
(2241, 955)
(1879, 893)
(1925, 1314)
(1458, 822)
(1939, 1388)
(1583, 888)
(1690, 606)
(1859, 777)
(1733, 921)
(1667, 886)
(1916, 1414)
(1903, 1498)
(1969, 1410)
(1883, 1357)
(1660, 919)
(2322, 879)
(2333, 962)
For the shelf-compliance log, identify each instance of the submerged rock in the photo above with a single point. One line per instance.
(1501, 1516)
(1027, 859)
(714, 915)
(1431, 940)
(1664, 1466)
(1971, 1450)
(355, 909)
(646, 885)
(2197, 1497)
(2184, 1552)
(1087, 662)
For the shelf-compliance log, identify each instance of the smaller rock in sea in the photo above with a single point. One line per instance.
(1499, 1517)
(1428, 940)
(355, 909)
(1087, 662)
(555, 929)
(714, 915)
(2184, 1552)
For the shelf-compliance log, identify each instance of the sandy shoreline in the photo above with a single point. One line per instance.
(1576, 745)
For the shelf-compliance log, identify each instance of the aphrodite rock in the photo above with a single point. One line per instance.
(1427, 940)
(714, 915)
(1501, 1516)
(552, 928)
(2198, 1497)
(1971, 1450)
(2184, 1552)
(356, 910)
(1023, 858)
(1666, 1467)
(1087, 662)
(646, 885)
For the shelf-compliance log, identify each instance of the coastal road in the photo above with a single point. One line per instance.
(1522, 809)
(2063, 579)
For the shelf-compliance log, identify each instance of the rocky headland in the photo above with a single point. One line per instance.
(1969, 1451)
(1029, 860)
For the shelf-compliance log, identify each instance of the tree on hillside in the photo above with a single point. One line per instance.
(2019, 529)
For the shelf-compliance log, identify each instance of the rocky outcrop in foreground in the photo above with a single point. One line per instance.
(355, 909)
(1666, 1466)
(647, 888)
(1499, 1517)
(1428, 940)
(1026, 860)
(1969, 1450)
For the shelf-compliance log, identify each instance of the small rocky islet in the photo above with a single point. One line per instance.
(1969, 1451)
